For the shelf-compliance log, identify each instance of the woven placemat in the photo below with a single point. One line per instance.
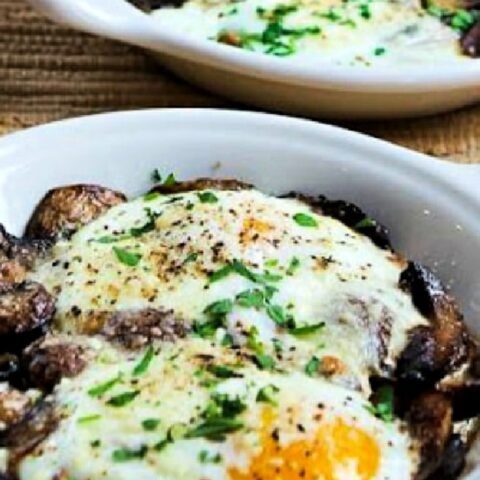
(48, 72)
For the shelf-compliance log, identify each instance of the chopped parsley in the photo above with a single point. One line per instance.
(267, 394)
(383, 407)
(312, 366)
(307, 329)
(365, 11)
(220, 307)
(367, 222)
(250, 298)
(205, 457)
(223, 371)
(123, 398)
(144, 363)
(89, 418)
(127, 258)
(148, 197)
(215, 428)
(126, 454)
(379, 51)
(150, 424)
(103, 388)
(293, 266)
(191, 257)
(207, 197)
(157, 178)
(264, 362)
(278, 315)
(305, 220)
(112, 238)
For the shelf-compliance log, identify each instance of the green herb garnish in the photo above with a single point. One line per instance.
(205, 457)
(305, 220)
(215, 428)
(222, 371)
(307, 329)
(89, 418)
(144, 363)
(250, 298)
(267, 394)
(103, 388)
(293, 266)
(383, 407)
(126, 454)
(207, 197)
(220, 307)
(264, 362)
(367, 222)
(311, 369)
(123, 398)
(150, 424)
(127, 258)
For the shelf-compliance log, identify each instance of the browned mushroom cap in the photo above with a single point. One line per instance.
(150, 5)
(23, 436)
(471, 41)
(430, 423)
(48, 360)
(452, 460)
(440, 348)
(13, 406)
(202, 184)
(25, 313)
(63, 210)
(17, 256)
(135, 328)
(349, 214)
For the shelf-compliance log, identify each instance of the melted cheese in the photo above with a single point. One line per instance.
(323, 273)
(310, 430)
(341, 32)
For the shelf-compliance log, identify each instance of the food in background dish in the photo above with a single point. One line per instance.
(340, 32)
(209, 330)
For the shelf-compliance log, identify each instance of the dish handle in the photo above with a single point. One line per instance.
(115, 19)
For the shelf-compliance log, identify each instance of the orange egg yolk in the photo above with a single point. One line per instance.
(336, 451)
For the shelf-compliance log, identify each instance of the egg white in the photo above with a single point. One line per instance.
(173, 391)
(390, 33)
(340, 277)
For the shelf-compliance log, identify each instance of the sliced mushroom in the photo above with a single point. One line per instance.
(22, 437)
(430, 423)
(438, 349)
(350, 215)
(135, 328)
(202, 184)
(17, 256)
(63, 210)
(49, 360)
(150, 5)
(470, 41)
(452, 460)
(25, 314)
(14, 405)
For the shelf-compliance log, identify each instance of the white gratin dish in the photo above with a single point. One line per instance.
(431, 207)
(274, 83)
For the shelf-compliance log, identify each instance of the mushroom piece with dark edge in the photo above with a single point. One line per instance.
(63, 210)
(49, 360)
(202, 184)
(471, 41)
(17, 256)
(23, 436)
(25, 314)
(440, 348)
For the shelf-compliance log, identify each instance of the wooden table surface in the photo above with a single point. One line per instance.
(48, 72)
